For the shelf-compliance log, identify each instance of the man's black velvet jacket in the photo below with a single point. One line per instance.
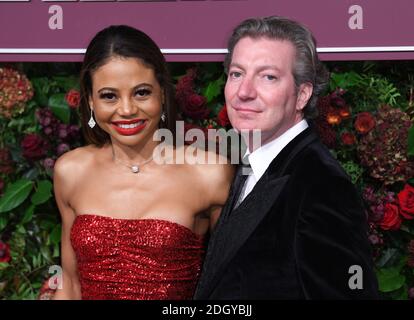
(295, 236)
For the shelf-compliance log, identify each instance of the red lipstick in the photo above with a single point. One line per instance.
(129, 127)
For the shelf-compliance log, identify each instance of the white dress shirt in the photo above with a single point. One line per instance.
(261, 158)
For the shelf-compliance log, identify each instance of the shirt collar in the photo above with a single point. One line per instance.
(261, 158)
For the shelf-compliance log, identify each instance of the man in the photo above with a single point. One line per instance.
(296, 229)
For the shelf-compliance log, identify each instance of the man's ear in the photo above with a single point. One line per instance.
(304, 94)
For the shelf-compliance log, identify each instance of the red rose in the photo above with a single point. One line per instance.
(391, 219)
(348, 138)
(34, 147)
(1, 185)
(6, 164)
(4, 252)
(364, 122)
(194, 107)
(73, 98)
(46, 292)
(223, 118)
(184, 86)
(406, 202)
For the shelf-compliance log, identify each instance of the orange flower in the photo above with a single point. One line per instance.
(344, 112)
(364, 122)
(333, 118)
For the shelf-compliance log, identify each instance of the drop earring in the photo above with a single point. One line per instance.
(163, 117)
(91, 122)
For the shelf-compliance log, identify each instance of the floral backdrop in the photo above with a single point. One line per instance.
(365, 118)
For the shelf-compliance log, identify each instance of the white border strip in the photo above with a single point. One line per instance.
(211, 51)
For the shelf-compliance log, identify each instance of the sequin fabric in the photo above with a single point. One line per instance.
(136, 259)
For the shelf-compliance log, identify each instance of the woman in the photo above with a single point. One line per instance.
(132, 227)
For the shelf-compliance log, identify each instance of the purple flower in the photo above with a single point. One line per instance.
(374, 239)
(63, 131)
(49, 163)
(62, 148)
(48, 131)
(411, 293)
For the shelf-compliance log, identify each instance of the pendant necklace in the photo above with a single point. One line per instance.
(135, 168)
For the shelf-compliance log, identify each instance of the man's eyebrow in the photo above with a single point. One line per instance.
(268, 66)
(259, 68)
(237, 65)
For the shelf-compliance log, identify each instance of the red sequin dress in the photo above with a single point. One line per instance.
(136, 259)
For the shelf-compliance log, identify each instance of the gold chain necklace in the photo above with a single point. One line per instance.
(135, 168)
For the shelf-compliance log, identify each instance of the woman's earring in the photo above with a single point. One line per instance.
(163, 117)
(91, 122)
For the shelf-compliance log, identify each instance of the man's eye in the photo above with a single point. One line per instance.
(270, 77)
(142, 92)
(108, 96)
(235, 74)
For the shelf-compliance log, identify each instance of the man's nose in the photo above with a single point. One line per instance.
(247, 90)
(127, 108)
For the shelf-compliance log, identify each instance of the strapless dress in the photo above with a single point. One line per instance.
(138, 259)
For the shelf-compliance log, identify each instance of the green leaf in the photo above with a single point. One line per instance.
(43, 192)
(390, 279)
(4, 219)
(41, 87)
(67, 83)
(4, 265)
(344, 80)
(213, 89)
(28, 215)
(410, 146)
(56, 251)
(387, 256)
(15, 195)
(59, 107)
(400, 294)
(55, 235)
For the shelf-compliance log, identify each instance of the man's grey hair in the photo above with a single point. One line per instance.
(307, 66)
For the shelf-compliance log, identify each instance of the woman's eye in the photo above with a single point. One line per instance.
(142, 92)
(108, 96)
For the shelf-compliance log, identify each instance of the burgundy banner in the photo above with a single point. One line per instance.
(196, 30)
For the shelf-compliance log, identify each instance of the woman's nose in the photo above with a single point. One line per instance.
(127, 108)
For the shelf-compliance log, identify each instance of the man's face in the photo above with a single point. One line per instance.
(260, 90)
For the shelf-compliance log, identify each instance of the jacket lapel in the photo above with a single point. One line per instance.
(235, 231)
(234, 228)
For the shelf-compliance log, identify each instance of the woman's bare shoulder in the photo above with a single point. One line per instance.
(215, 168)
(75, 161)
